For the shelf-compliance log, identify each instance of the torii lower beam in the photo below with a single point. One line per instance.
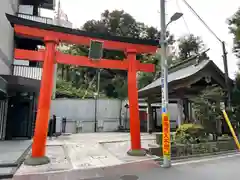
(130, 64)
(61, 58)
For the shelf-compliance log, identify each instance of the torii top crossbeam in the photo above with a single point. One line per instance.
(40, 30)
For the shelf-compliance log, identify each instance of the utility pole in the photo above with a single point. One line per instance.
(226, 74)
(164, 75)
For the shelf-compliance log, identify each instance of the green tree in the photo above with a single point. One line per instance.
(236, 98)
(234, 26)
(190, 46)
(146, 78)
(207, 108)
(117, 23)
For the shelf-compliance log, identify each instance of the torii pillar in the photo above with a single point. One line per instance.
(133, 106)
(44, 103)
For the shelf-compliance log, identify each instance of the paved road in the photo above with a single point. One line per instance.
(220, 168)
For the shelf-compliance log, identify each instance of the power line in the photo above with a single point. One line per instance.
(223, 51)
(185, 22)
(204, 23)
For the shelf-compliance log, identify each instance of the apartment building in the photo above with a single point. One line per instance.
(20, 80)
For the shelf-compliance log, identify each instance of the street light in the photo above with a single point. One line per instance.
(166, 141)
(174, 17)
(96, 96)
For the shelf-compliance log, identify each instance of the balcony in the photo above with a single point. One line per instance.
(27, 71)
(46, 20)
(36, 18)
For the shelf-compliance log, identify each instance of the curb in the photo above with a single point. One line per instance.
(201, 155)
(119, 141)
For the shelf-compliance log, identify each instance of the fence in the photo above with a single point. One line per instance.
(36, 18)
(27, 72)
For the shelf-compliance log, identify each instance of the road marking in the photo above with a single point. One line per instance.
(204, 160)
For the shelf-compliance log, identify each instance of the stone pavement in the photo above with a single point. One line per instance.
(86, 153)
(12, 154)
(11, 151)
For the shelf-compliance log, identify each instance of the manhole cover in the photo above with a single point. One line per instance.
(129, 177)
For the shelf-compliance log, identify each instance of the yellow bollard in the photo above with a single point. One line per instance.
(231, 129)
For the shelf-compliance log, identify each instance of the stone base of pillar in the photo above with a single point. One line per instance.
(32, 161)
(137, 152)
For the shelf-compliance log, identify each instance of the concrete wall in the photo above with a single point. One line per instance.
(82, 113)
(6, 35)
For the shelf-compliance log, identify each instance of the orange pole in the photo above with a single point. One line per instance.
(44, 102)
(133, 101)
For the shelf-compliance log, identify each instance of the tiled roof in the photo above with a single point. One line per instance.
(179, 74)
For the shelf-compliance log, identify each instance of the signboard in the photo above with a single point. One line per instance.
(96, 50)
(163, 97)
(162, 82)
(166, 138)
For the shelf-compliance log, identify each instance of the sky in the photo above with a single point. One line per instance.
(214, 12)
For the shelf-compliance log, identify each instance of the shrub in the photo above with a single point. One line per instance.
(190, 134)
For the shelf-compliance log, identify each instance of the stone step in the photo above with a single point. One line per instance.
(7, 172)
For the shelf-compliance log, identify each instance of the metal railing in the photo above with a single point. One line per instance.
(36, 18)
(27, 72)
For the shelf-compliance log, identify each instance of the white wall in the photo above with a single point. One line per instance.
(108, 114)
(83, 112)
(6, 35)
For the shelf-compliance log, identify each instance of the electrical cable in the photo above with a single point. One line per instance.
(185, 22)
(204, 23)
(223, 49)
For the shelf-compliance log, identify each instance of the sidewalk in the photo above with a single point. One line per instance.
(87, 151)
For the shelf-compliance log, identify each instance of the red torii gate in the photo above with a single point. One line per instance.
(51, 35)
